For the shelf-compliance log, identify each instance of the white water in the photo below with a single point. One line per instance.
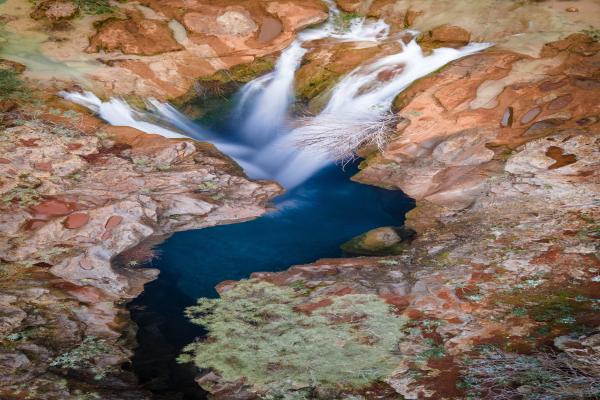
(264, 145)
(361, 99)
(264, 102)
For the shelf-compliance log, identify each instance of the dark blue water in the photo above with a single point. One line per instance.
(309, 223)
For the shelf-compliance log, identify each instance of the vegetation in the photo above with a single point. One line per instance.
(11, 87)
(498, 375)
(83, 356)
(256, 332)
(95, 7)
(593, 33)
(339, 138)
(343, 21)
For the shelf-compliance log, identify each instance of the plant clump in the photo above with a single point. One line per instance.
(256, 332)
(11, 87)
(95, 7)
(499, 375)
(83, 356)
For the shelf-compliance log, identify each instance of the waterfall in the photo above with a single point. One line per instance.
(263, 103)
(360, 103)
(264, 145)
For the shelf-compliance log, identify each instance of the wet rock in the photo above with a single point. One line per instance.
(232, 23)
(560, 102)
(507, 117)
(450, 34)
(380, 241)
(530, 115)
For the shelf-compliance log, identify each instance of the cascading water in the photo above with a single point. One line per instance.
(265, 145)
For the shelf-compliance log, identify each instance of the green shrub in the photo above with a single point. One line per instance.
(255, 332)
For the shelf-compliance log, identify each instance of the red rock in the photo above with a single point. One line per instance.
(400, 302)
(225, 286)
(560, 102)
(308, 308)
(53, 208)
(572, 9)
(343, 291)
(33, 224)
(549, 85)
(113, 222)
(76, 220)
(43, 166)
(134, 36)
(450, 33)
(29, 142)
(74, 146)
(4, 160)
(560, 158)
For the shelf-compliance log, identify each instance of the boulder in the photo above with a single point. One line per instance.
(379, 241)
(450, 34)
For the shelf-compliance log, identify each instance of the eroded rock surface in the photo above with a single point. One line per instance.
(75, 194)
(154, 48)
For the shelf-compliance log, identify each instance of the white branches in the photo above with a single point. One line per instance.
(339, 136)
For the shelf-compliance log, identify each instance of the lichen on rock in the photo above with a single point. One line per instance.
(339, 341)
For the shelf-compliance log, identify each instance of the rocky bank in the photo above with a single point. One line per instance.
(75, 194)
(500, 150)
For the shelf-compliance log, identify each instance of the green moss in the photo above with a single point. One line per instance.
(255, 332)
(593, 33)
(242, 73)
(95, 7)
(11, 87)
(343, 21)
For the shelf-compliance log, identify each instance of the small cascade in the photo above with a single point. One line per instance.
(360, 104)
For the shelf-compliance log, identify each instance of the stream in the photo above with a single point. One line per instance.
(322, 207)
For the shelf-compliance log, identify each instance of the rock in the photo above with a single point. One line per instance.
(76, 220)
(410, 16)
(134, 36)
(380, 241)
(450, 34)
(55, 10)
(113, 222)
(12, 66)
(530, 115)
(7, 106)
(229, 23)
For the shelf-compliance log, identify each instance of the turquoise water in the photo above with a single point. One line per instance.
(309, 223)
